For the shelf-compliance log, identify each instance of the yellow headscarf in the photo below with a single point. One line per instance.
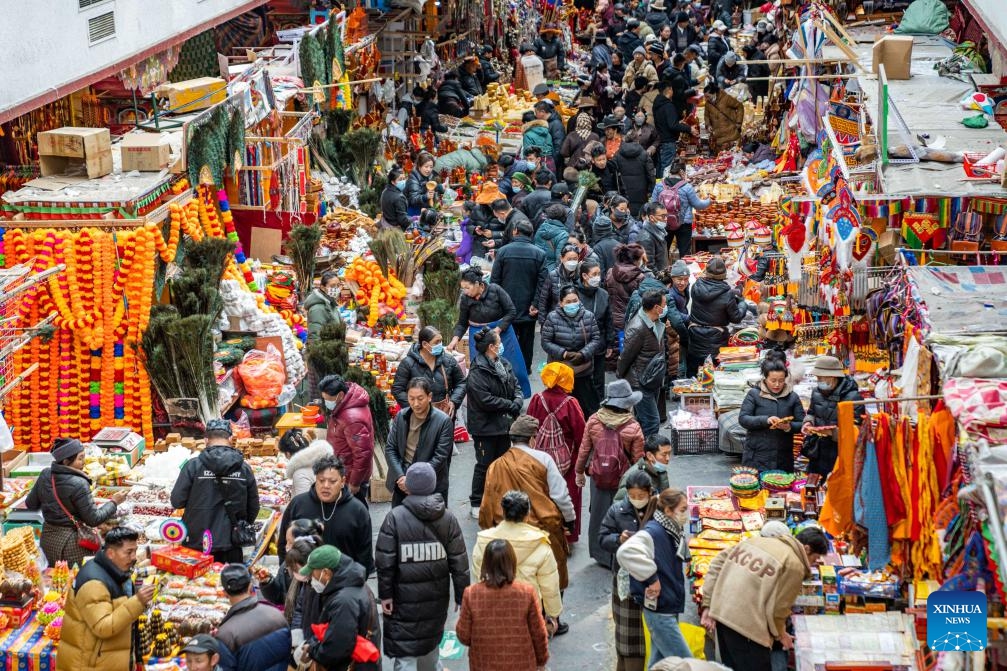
(558, 374)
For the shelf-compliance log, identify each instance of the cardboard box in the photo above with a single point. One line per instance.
(194, 94)
(181, 561)
(13, 460)
(37, 461)
(146, 152)
(17, 616)
(75, 150)
(896, 53)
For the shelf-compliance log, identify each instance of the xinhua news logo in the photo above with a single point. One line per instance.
(956, 621)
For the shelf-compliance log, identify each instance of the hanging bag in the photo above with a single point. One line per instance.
(87, 538)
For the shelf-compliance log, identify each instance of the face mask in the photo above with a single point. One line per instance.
(660, 467)
(571, 308)
(401, 184)
(570, 265)
(682, 517)
(594, 281)
(825, 387)
(639, 504)
(317, 585)
(437, 350)
(500, 349)
(640, 120)
(330, 405)
(664, 312)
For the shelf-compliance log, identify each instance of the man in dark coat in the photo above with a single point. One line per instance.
(549, 47)
(420, 432)
(506, 218)
(716, 46)
(255, 634)
(644, 343)
(420, 553)
(213, 488)
(535, 202)
(546, 111)
(468, 77)
(629, 40)
(393, 202)
(451, 97)
(682, 33)
(636, 174)
(715, 305)
(653, 238)
(657, 16)
(604, 243)
(346, 520)
(519, 268)
(348, 611)
(487, 73)
(669, 126)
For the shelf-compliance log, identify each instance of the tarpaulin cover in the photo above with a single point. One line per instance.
(963, 299)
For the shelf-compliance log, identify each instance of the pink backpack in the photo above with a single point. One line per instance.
(609, 461)
(551, 440)
(671, 198)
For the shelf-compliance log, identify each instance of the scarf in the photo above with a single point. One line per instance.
(677, 534)
(584, 126)
(787, 388)
(613, 419)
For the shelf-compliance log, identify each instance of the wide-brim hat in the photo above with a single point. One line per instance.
(621, 395)
(587, 101)
(828, 366)
(550, 28)
(658, 6)
(609, 122)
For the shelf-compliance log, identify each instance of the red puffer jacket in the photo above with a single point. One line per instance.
(351, 434)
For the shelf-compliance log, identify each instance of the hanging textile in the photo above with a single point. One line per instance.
(837, 511)
(197, 58)
(942, 430)
(895, 505)
(926, 553)
(870, 511)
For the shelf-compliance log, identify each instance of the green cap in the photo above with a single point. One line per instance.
(326, 556)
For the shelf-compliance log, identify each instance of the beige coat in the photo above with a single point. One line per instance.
(646, 69)
(763, 573)
(97, 631)
(536, 564)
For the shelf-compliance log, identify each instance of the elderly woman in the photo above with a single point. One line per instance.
(557, 402)
(63, 493)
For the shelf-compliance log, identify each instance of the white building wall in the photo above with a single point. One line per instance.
(46, 43)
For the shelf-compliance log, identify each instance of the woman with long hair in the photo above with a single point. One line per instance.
(501, 620)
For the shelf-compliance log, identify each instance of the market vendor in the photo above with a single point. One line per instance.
(530, 71)
(322, 305)
(451, 97)
(63, 493)
(549, 47)
(418, 196)
(427, 359)
(485, 304)
(394, 206)
(724, 116)
(821, 426)
(468, 76)
(771, 414)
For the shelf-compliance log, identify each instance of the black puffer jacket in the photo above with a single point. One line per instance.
(419, 553)
(347, 524)
(445, 371)
(197, 491)
(434, 447)
(470, 82)
(654, 240)
(622, 516)
(579, 333)
(824, 411)
(452, 99)
(394, 208)
(548, 291)
(74, 489)
(494, 397)
(416, 192)
(596, 301)
(636, 174)
(520, 269)
(714, 306)
(534, 203)
(766, 448)
(349, 610)
(640, 345)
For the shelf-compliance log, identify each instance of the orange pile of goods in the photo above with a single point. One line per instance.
(743, 209)
(382, 295)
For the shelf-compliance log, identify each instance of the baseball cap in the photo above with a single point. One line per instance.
(202, 644)
(235, 578)
(327, 556)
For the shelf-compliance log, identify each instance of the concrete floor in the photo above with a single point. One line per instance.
(589, 646)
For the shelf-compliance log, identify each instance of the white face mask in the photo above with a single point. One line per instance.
(682, 517)
(594, 281)
(570, 265)
(330, 405)
(317, 585)
(639, 504)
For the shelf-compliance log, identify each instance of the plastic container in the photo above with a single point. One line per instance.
(695, 441)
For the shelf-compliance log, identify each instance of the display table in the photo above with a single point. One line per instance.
(292, 420)
(27, 649)
(858, 639)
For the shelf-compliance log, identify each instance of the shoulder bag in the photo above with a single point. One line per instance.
(242, 531)
(87, 538)
(444, 405)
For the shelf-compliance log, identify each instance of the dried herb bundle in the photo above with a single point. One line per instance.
(302, 246)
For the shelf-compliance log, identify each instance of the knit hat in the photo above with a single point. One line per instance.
(640, 50)
(235, 578)
(620, 395)
(421, 479)
(66, 448)
(774, 529)
(524, 426)
(540, 90)
(680, 269)
(522, 179)
(828, 366)
(656, 48)
(221, 425)
(526, 47)
(731, 58)
(558, 374)
(327, 556)
(716, 269)
(602, 226)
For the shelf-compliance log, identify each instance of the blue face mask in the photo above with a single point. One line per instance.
(571, 308)
(437, 350)
(660, 468)
(401, 184)
(664, 312)
(500, 350)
